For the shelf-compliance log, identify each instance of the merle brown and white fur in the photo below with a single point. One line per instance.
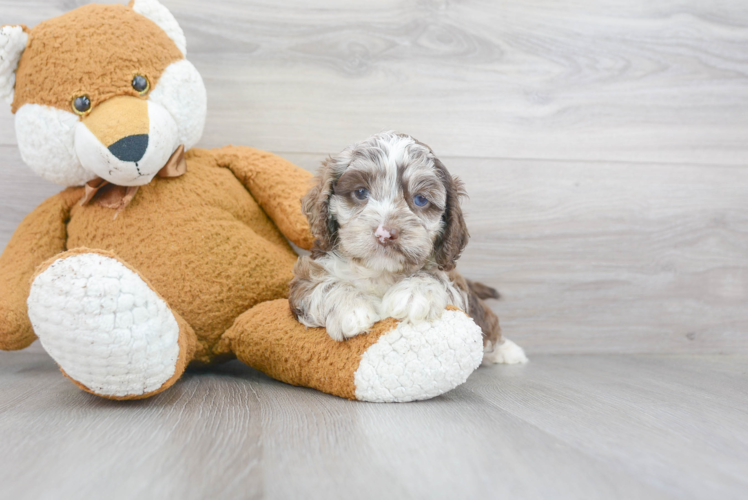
(388, 225)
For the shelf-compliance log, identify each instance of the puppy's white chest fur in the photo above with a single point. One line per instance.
(369, 281)
(348, 298)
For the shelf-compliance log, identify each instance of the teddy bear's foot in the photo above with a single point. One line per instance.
(395, 362)
(106, 328)
(419, 361)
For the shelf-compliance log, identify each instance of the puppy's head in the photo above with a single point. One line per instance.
(389, 203)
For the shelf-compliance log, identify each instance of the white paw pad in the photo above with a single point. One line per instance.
(420, 361)
(508, 353)
(104, 326)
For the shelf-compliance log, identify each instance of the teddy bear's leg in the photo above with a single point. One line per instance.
(395, 362)
(109, 331)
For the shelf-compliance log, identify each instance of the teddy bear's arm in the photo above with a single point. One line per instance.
(40, 236)
(276, 184)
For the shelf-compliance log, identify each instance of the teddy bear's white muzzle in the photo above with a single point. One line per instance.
(134, 158)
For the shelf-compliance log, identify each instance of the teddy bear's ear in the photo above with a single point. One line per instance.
(13, 40)
(153, 10)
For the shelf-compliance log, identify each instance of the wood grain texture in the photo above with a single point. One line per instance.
(603, 145)
(648, 81)
(604, 148)
(609, 257)
(562, 427)
(580, 80)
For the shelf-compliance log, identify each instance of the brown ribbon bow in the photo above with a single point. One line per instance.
(105, 194)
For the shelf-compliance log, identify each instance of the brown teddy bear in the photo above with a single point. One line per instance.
(156, 255)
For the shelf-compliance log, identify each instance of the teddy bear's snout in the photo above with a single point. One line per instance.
(116, 120)
(126, 140)
(130, 148)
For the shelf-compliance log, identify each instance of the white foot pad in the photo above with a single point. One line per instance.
(508, 353)
(104, 326)
(420, 361)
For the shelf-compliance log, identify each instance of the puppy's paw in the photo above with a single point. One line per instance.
(507, 353)
(415, 301)
(352, 319)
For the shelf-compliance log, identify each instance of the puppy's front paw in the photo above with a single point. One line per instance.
(414, 302)
(351, 320)
(508, 353)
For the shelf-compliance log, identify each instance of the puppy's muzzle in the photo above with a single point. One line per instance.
(386, 235)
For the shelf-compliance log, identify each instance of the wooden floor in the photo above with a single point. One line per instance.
(604, 143)
(604, 146)
(560, 427)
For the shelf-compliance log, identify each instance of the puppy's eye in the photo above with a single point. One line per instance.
(81, 104)
(140, 84)
(420, 200)
(361, 193)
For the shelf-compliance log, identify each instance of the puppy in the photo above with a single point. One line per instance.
(389, 228)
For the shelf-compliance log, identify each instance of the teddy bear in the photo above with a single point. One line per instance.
(157, 254)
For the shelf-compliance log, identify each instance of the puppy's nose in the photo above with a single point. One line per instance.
(130, 148)
(386, 234)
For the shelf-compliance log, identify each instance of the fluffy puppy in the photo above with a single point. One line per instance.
(389, 228)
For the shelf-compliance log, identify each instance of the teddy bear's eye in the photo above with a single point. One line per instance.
(81, 104)
(140, 84)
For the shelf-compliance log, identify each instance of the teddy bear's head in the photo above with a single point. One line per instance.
(102, 91)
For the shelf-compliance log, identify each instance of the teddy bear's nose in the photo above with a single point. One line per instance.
(130, 148)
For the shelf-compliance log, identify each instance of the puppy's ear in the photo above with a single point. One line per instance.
(454, 237)
(316, 207)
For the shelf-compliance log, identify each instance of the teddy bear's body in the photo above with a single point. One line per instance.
(149, 261)
(209, 249)
(201, 241)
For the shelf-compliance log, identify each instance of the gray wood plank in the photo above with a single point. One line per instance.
(582, 80)
(578, 80)
(627, 234)
(592, 256)
(81, 446)
(609, 257)
(584, 426)
(622, 258)
(617, 404)
(589, 257)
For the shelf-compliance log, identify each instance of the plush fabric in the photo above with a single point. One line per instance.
(201, 239)
(40, 236)
(160, 15)
(181, 92)
(124, 292)
(297, 355)
(118, 36)
(46, 140)
(13, 40)
(393, 363)
(159, 347)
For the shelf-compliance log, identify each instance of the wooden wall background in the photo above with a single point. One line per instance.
(604, 144)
